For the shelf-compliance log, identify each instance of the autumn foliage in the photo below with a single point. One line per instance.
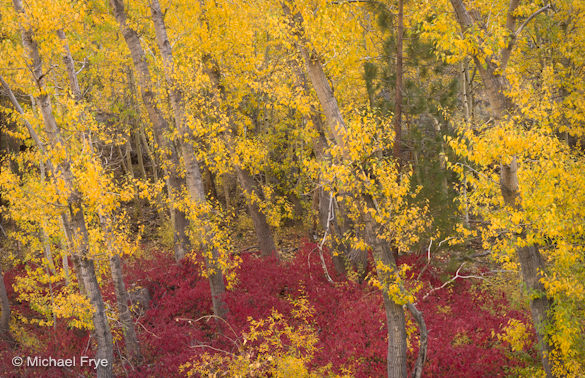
(345, 320)
(293, 187)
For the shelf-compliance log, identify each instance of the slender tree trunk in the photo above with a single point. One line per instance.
(531, 261)
(150, 154)
(396, 363)
(128, 155)
(160, 126)
(102, 331)
(130, 339)
(226, 183)
(139, 153)
(328, 217)
(194, 181)
(424, 337)
(5, 318)
(398, 97)
(395, 319)
(76, 223)
(330, 211)
(263, 231)
(532, 268)
(132, 347)
(65, 262)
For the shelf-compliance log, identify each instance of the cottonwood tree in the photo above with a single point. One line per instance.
(520, 144)
(377, 190)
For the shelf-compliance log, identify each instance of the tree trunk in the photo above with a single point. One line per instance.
(328, 217)
(329, 209)
(139, 153)
(531, 261)
(130, 339)
(263, 231)
(76, 225)
(160, 126)
(150, 154)
(398, 97)
(5, 318)
(395, 319)
(532, 268)
(193, 178)
(102, 331)
(132, 347)
(396, 363)
(128, 155)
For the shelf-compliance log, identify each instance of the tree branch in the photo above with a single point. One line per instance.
(450, 281)
(422, 350)
(532, 16)
(507, 51)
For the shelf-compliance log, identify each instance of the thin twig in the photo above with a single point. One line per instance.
(450, 281)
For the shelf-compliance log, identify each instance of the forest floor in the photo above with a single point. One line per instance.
(474, 325)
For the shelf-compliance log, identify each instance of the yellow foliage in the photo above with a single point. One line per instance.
(271, 347)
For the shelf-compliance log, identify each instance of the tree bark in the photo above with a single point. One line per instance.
(261, 226)
(75, 222)
(395, 319)
(102, 331)
(160, 126)
(5, 318)
(531, 261)
(132, 347)
(396, 362)
(330, 211)
(398, 97)
(194, 181)
(130, 339)
(424, 337)
(532, 267)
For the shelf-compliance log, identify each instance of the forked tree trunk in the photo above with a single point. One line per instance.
(160, 126)
(261, 226)
(396, 363)
(194, 180)
(531, 261)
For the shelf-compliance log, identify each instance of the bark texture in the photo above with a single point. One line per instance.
(122, 298)
(531, 261)
(396, 362)
(160, 126)
(194, 180)
(5, 303)
(261, 226)
(130, 339)
(75, 220)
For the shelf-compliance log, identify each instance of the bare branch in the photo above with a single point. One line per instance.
(532, 16)
(450, 281)
(507, 51)
(18, 108)
(330, 217)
